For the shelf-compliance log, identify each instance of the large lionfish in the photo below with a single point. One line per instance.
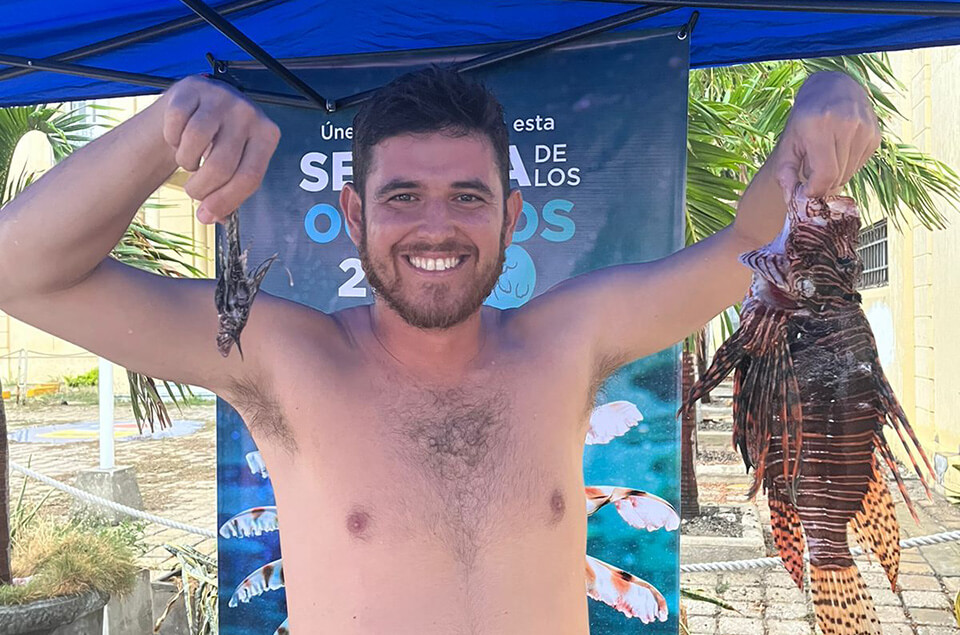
(628, 594)
(809, 408)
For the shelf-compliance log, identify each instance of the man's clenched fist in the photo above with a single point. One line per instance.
(220, 136)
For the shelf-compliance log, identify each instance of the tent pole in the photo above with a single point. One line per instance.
(253, 49)
(139, 79)
(873, 7)
(599, 26)
(103, 46)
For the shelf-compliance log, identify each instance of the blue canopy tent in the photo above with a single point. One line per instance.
(58, 51)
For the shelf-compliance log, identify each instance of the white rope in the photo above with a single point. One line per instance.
(759, 563)
(109, 504)
(703, 567)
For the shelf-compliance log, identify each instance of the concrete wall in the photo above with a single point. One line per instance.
(48, 358)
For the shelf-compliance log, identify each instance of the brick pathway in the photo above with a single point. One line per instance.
(768, 601)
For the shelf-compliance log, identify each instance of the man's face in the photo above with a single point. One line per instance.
(433, 228)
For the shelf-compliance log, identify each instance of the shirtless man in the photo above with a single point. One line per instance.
(420, 493)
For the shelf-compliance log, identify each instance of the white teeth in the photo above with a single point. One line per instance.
(434, 264)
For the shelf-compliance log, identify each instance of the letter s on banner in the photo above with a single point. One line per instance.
(310, 166)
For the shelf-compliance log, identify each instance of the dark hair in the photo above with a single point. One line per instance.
(432, 99)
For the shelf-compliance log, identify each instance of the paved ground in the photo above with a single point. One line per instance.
(177, 480)
(767, 600)
(177, 476)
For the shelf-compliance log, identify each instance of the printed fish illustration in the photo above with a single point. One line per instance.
(256, 464)
(641, 510)
(251, 522)
(625, 592)
(269, 577)
(611, 420)
(811, 403)
(236, 289)
(283, 629)
(615, 587)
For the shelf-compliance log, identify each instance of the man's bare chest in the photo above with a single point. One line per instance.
(462, 463)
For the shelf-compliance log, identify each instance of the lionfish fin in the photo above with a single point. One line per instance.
(772, 266)
(727, 357)
(791, 413)
(262, 271)
(787, 534)
(898, 420)
(887, 455)
(842, 602)
(876, 529)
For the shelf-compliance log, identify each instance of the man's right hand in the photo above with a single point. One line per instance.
(220, 136)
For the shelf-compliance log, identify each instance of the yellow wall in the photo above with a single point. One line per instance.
(49, 358)
(924, 262)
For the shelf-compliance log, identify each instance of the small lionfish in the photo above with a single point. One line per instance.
(236, 289)
(810, 406)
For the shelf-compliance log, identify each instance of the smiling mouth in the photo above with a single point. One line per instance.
(422, 263)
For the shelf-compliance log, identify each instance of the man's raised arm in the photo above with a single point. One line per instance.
(634, 310)
(55, 237)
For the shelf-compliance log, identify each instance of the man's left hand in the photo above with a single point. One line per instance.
(831, 133)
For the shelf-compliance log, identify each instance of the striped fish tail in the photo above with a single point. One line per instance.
(842, 602)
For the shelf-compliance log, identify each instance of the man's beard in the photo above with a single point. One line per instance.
(437, 312)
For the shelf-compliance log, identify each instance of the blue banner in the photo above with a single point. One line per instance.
(598, 134)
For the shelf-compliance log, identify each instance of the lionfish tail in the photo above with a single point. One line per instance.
(787, 534)
(841, 601)
(876, 529)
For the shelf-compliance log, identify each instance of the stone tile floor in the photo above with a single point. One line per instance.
(769, 603)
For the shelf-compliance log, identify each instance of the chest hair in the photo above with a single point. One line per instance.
(461, 444)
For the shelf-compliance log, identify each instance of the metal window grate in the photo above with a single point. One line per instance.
(873, 254)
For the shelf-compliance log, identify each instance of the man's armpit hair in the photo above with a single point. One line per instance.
(261, 411)
(603, 367)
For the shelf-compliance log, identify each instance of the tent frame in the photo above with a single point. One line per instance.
(309, 98)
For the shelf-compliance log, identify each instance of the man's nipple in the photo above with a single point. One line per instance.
(359, 523)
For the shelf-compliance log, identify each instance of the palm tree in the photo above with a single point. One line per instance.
(735, 115)
(159, 251)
